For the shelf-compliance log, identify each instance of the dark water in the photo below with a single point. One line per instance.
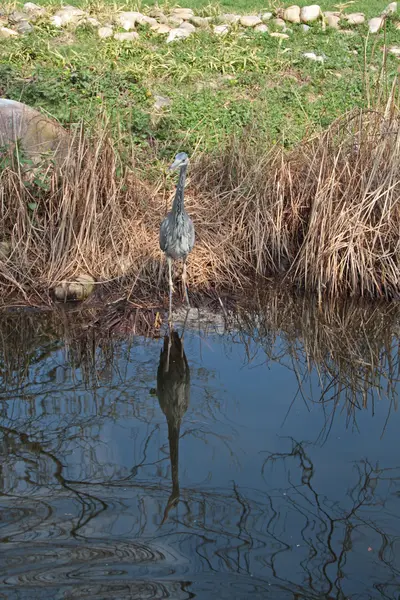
(268, 466)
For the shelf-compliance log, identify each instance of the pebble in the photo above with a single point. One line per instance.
(261, 28)
(250, 20)
(355, 18)
(126, 36)
(267, 16)
(305, 28)
(221, 29)
(105, 32)
(279, 23)
(183, 13)
(292, 14)
(375, 24)
(188, 26)
(310, 13)
(161, 28)
(177, 34)
(332, 19)
(313, 56)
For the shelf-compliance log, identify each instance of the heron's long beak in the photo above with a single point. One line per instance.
(175, 165)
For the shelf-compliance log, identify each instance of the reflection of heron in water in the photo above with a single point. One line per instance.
(173, 391)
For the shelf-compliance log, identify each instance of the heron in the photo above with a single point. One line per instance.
(177, 229)
(173, 391)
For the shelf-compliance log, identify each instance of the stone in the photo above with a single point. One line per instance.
(126, 36)
(292, 14)
(311, 13)
(182, 13)
(33, 9)
(175, 21)
(128, 20)
(177, 34)
(375, 24)
(395, 50)
(313, 56)
(188, 26)
(68, 14)
(355, 18)
(39, 135)
(105, 32)
(221, 29)
(160, 28)
(390, 9)
(158, 14)
(161, 102)
(24, 27)
(5, 32)
(199, 21)
(93, 22)
(17, 16)
(281, 36)
(261, 28)
(267, 16)
(332, 19)
(73, 291)
(230, 18)
(397, 26)
(250, 20)
(305, 28)
(278, 22)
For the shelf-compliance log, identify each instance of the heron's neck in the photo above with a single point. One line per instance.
(178, 204)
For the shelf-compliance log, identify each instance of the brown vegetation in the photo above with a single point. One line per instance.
(325, 215)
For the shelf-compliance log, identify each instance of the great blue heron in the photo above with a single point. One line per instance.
(173, 391)
(177, 230)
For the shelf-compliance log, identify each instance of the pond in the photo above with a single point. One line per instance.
(256, 457)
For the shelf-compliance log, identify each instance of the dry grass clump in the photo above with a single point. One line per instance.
(325, 214)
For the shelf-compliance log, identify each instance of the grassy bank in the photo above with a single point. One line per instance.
(280, 184)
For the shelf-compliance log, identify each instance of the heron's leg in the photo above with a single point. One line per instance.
(184, 280)
(171, 289)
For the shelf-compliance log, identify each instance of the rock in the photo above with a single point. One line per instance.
(281, 36)
(250, 20)
(68, 14)
(305, 28)
(311, 13)
(332, 19)
(375, 24)
(24, 27)
(177, 34)
(175, 21)
(230, 18)
(188, 26)
(17, 16)
(397, 26)
(157, 14)
(355, 18)
(38, 134)
(5, 32)
(390, 9)
(292, 14)
(160, 28)
(313, 56)
(394, 50)
(267, 16)
(105, 32)
(221, 29)
(93, 22)
(5, 250)
(34, 9)
(278, 22)
(77, 290)
(261, 28)
(128, 20)
(161, 102)
(199, 21)
(126, 36)
(182, 13)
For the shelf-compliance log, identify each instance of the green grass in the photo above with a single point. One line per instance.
(217, 85)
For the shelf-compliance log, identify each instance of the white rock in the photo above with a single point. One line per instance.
(230, 18)
(93, 22)
(305, 28)
(394, 50)
(68, 14)
(375, 24)
(5, 32)
(177, 34)
(161, 102)
(332, 19)
(182, 13)
(129, 19)
(160, 28)
(221, 29)
(126, 36)
(279, 23)
(313, 56)
(199, 21)
(355, 18)
(175, 21)
(188, 26)
(292, 14)
(390, 9)
(105, 32)
(281, 36)
(250, 20)
(266, 16)
(262, 28)
(310, 13)
(34, 9)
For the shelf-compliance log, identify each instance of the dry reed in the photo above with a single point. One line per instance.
(324, 214)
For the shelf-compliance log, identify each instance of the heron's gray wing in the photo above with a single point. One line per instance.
(164, 232)
(190, 233)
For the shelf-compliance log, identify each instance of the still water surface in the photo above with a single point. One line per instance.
(258, 463)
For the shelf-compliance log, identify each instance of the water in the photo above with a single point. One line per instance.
(268, 468)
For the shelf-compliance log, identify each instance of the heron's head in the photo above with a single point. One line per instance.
(181, 160)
